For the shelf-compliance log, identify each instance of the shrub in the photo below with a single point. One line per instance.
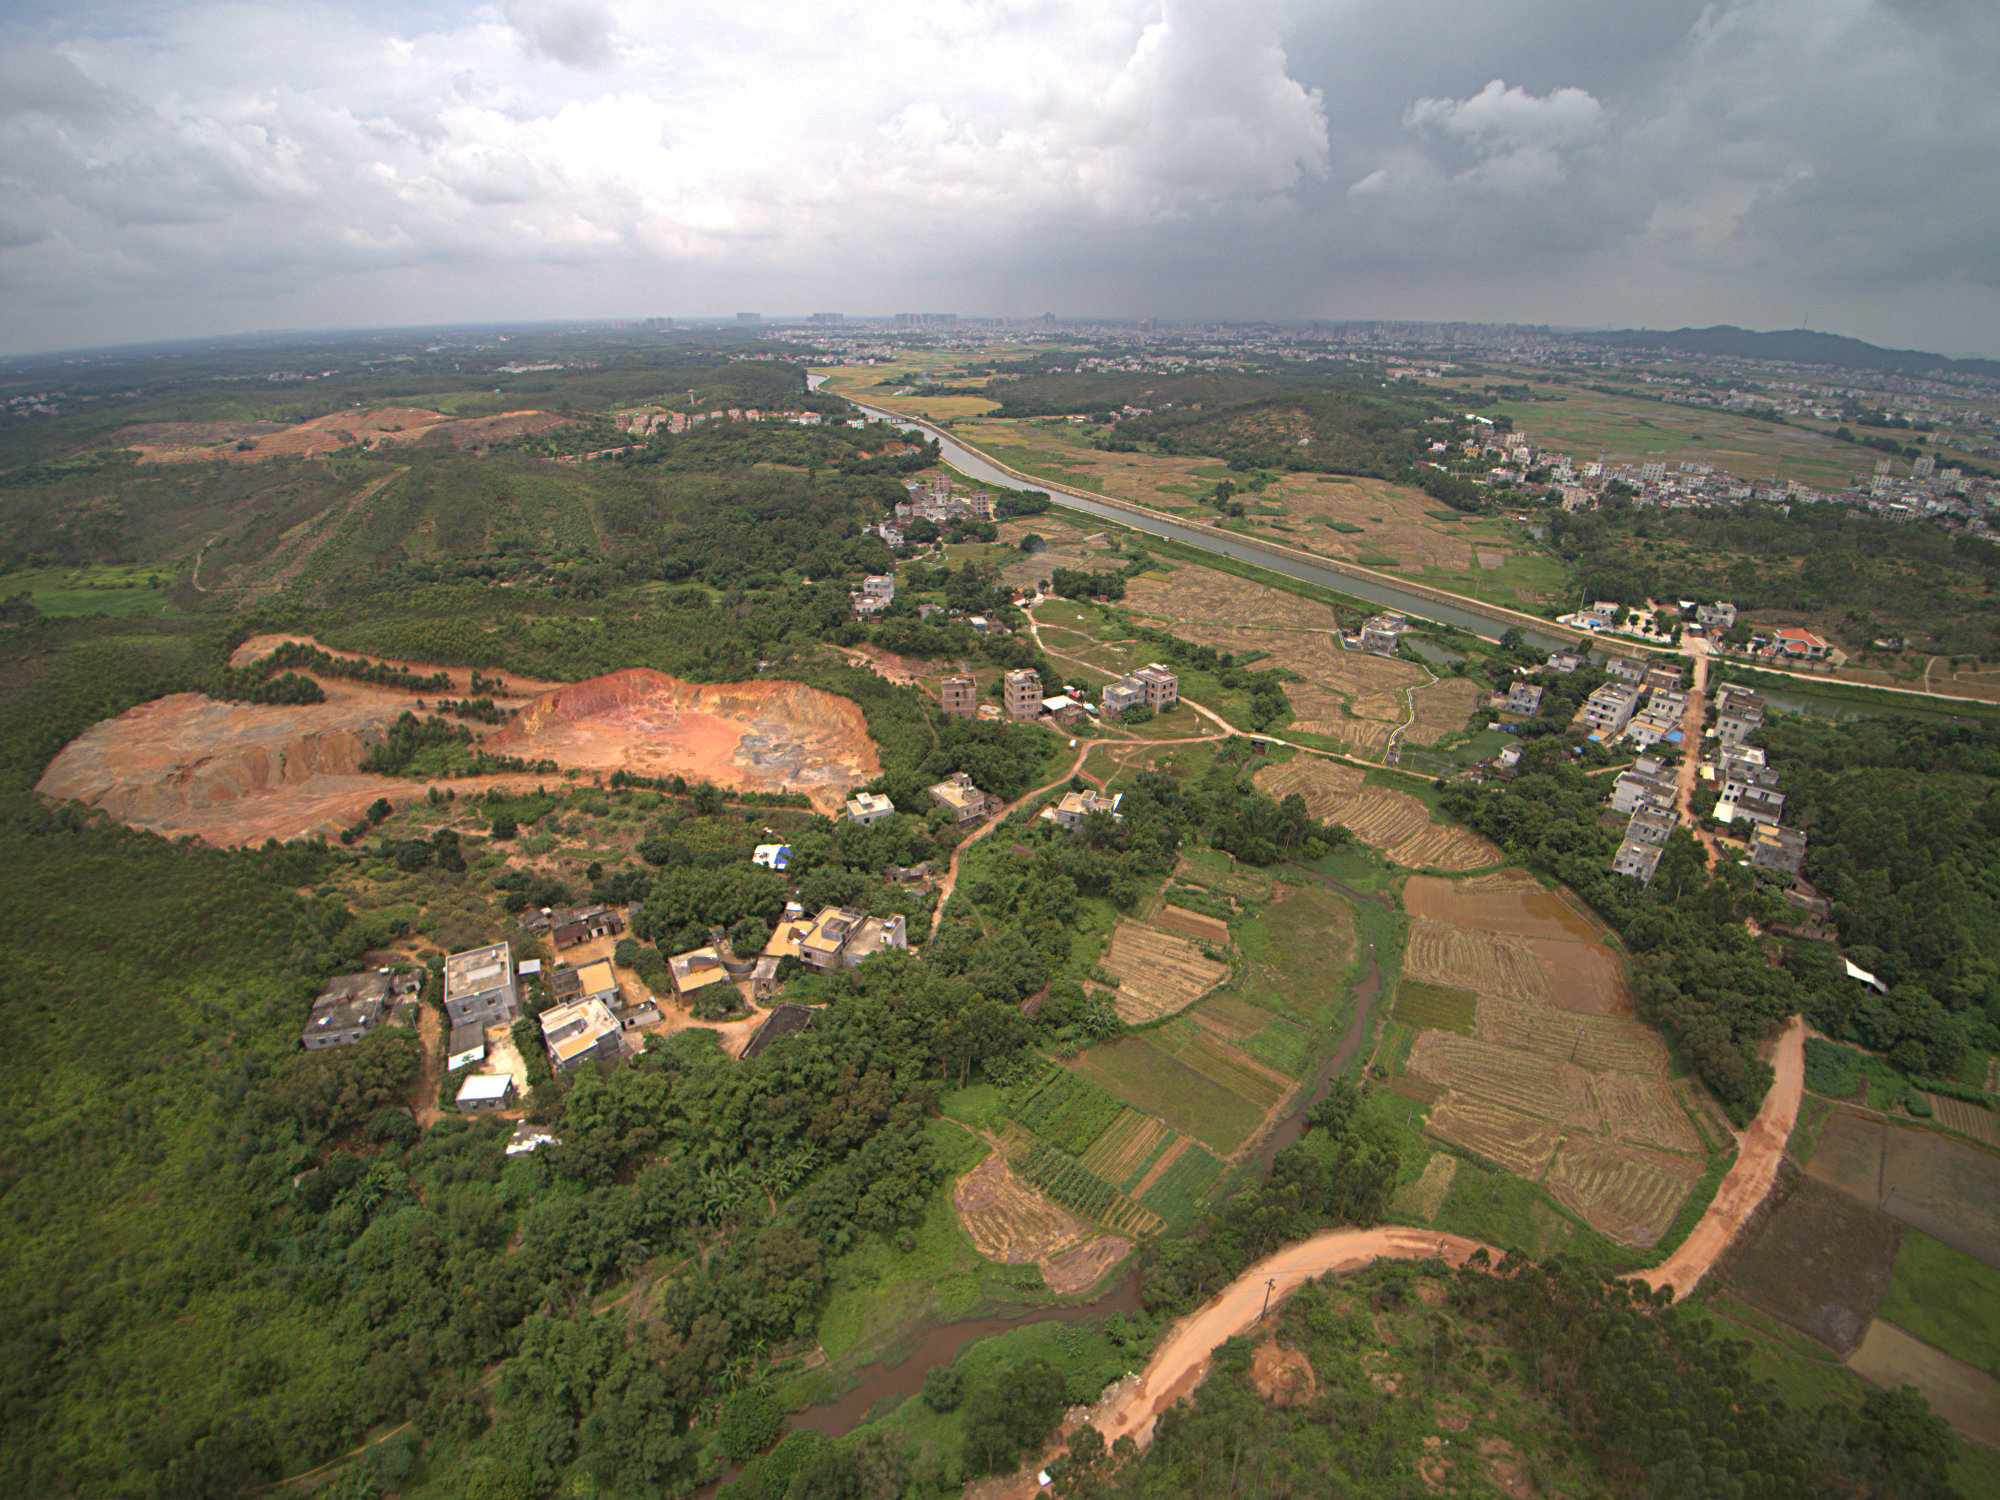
(750, 1423)
(944, 1388)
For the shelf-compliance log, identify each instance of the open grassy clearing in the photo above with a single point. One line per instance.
(95, 589)
(1301, 955)
(1946, 1298)
(1155, 1082)
(1967, 1398)
(1420, 1200)
(1395, 822)
(1419, 1003)
(1626, 1193)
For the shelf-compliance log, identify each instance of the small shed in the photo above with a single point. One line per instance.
(484, 1092)
(468, 1046)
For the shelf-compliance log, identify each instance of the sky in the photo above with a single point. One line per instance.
(175, 169)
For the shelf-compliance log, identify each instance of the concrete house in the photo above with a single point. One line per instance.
(698, 973)
(1638, 859)
(345, 1010)
(964, 801)
(1610, 708)
(1074, 807)
(959, 697)
(480, 987)
(1760, 805)
(467, 1046)
(1121, 695)
(568, 928)
(1627, 669)
(1634, 789)
(484, 1093)
(1718, 618)
(1662, 677)
(1651, 823)
(595, 981)
(1564, 662)
(1021, 694)
(868, 808)
(1381, 634)
(1163, 688)
(580, 1033)
(841, 937)
(1739, 721)
(1525, 699)
(1777, 849)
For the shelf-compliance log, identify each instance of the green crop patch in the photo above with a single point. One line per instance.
(1438, 1006)
(1067, 1111)
(1347, 527)
(1180, 1189)
(1946, 1298)
(1068, 1182)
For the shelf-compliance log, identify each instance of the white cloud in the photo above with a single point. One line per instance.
(1519, 142)
(572, 32)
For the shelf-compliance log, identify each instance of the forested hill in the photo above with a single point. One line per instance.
(1338, 431)
(1797, 346)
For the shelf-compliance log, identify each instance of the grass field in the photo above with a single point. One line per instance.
(1177, 1193)
(94, 590)
(1301, 950)
(1065, 1110)
(1419, 1003)
(1946, 1298)
(1156, 1083)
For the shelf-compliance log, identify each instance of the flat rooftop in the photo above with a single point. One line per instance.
(477, 970)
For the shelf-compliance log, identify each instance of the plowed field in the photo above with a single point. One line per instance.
(1585, 978)
(1442, 707)
(1627, 1194)
(1487, 963)
(1525, 909)
(1592, 1041)
(1644, 1111)
(1392, 821)
(1526, 1081)
(1159, 973)
(1520, 1143)
(1010, 1222)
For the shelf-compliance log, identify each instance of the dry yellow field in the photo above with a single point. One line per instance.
(1621, 1191)
(1381, 817)
(1520, 1143)
(1159, 973)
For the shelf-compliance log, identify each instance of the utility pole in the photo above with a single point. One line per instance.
(1576, 1044)
(1269, 1286)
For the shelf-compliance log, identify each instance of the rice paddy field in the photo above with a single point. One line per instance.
(1525, 1056)
(1381, 817)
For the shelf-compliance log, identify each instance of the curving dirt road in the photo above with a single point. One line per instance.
(1180, 1362)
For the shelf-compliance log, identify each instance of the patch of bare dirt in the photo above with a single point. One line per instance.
(240, 773)
(1010, 1222)
(1283, 1376)
(384, 427)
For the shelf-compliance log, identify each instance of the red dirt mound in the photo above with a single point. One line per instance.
(239, 773)
(759, 736)
(385, 427)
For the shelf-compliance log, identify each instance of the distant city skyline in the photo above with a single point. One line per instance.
(189, 169)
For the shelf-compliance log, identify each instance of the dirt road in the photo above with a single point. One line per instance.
(1181, 1361)
(1757, 1156)
(1691, 722)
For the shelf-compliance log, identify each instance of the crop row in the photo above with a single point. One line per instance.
(1067, 1111)
(1063, 1178)
(1180, 1188)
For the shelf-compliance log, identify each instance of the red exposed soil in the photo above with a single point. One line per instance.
(240, 773)
(758, 736)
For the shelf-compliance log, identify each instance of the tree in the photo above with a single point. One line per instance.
(1012, 1413)
(750, 1422)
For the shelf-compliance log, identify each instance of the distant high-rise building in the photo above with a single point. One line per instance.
(829, 317)
(749, 317)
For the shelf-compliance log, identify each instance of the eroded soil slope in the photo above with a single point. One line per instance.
(239, 773)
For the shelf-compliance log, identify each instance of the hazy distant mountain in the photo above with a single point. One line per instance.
(1797, 345)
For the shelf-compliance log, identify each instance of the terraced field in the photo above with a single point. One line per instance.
(1519, 1142)
(1159, 973)
(1621, 1191)
(1381, 817)
(1593, 1041)
(1488, 963)
(1550, 1088)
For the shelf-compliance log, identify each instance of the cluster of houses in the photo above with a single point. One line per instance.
(935, 499)
(1642, 702)
(644, 421)
(1748, 794)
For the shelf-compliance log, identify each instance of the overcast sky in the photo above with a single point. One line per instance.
(172, 169)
